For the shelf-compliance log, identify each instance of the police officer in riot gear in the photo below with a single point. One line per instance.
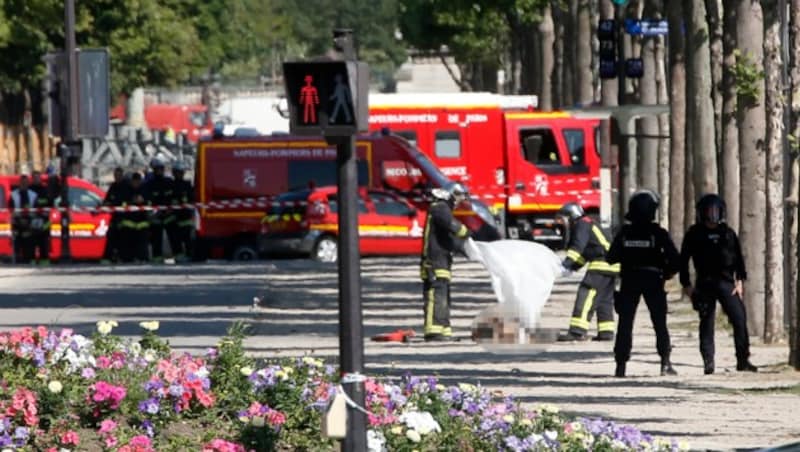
(118, 195)
(158, 192)
(716, 253)
(647, 258)
(588, 244)
(179, 231)
(442, 236)
(21, 222)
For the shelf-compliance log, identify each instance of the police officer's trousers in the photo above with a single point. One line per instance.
(704, 300)
(436, 293)
(634, 285)
(595, 293)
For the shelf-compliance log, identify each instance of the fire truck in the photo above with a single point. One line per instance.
(237, 177)
(524, 163)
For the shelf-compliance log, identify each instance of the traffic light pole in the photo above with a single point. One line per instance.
(71, 131)
(351, 335)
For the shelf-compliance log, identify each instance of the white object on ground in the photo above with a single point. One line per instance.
(523, 274)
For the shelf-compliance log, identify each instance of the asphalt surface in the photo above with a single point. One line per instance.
(293, 308)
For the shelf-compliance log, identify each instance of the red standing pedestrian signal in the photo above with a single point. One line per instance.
(309, 99)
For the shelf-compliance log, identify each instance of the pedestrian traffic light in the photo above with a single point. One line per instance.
(326, 97)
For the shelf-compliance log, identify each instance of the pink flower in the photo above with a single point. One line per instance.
(140, 443)
(103, 362)
(220, 445)
(69, 438)
(107, 426)
(276, 418)
(111, 441)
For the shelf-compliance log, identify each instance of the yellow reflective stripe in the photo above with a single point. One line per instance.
(297, 217)
(603, 266)
(286, 217)
(605, 326)
(127, 224)
(442, 273)
(587, 305)
(429, 312)
(601, 237)
(463, 231)
(185, 223)
(576, 256)
(578, 323)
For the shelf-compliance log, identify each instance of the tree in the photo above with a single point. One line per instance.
(773, 325)
(730, 130)
(677, 169)
(699, 84)
(715, 30)
(794, 121)
(752, 123)
(548, 37)
(584, 91)
(648, 148)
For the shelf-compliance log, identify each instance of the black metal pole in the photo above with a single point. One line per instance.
(71, 131)
(619, 12)
(351, 340)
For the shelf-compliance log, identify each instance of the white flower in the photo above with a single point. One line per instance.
(55, 386)
(104, 327)
(202, 372)
(413, 435)
(315, 362)
(135, 349)
(246, 371)
(550, 435)
(509, 418)
(547, 408)
(149, 326)
(421, 422)
(466, 387)
(258, 421)
(397, 430)
(150, 355)
(526, 422)
(376, 442)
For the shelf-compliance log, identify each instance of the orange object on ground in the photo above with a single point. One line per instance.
(394, 336)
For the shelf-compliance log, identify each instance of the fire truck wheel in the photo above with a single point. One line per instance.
(244, 253)
(325, 250)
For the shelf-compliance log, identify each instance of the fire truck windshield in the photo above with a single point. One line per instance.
(434, 174)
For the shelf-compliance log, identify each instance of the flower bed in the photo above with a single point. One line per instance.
(62, 391)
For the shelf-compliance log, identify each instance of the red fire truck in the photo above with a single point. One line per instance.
(526, 164)
(232, 173)
(87, 229)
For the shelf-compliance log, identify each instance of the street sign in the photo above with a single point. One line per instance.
(93, 93)
(634, 68)
(646, 27)
(327, 97)
(620, 2)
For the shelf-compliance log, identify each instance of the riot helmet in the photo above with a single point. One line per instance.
(571, 211)
(642, 207)
(710, 209)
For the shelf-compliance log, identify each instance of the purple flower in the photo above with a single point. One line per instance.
(21, 433)
(329, 370)
(515, 444)
(175, 390)
(148, 427)
(153, 385)
(149, 406)
(211, 353)
(88, 373)
(5, 440)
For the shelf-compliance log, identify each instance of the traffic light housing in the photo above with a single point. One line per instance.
(607, 35)
(327, 97)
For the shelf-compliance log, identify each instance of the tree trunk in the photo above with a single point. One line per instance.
(648, 126)
(794, 46)
(752, 123)
(677, 168)
(569, 64)
(558, 53)
(547, 39)
(584, 92)
(699, 95)
(714, 19)
(730, 134)
(663, 130)
(773, 317)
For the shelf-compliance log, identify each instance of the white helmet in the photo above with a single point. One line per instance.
(179, 166)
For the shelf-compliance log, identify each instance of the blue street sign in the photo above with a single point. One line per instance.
(620, 2)
(646, 27)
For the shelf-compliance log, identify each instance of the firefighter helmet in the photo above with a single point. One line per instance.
(642, 207)
(156, 162)
(179, 166)
(571, 210)
(710, 208)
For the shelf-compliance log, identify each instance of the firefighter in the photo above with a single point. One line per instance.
(21, 224)
(179, 231)
(716, 254)
(133, 225)
(588, 245)
(442, 236)
(648, 258)
(41, 220)
(158, 192)
(116, 196)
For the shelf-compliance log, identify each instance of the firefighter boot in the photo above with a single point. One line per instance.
(620, 371)
(666, 367)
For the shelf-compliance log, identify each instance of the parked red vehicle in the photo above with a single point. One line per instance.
(306, 222)
(525, 163)
(87, 229)
(237, 168)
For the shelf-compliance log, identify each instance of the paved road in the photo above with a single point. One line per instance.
(298, 315)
